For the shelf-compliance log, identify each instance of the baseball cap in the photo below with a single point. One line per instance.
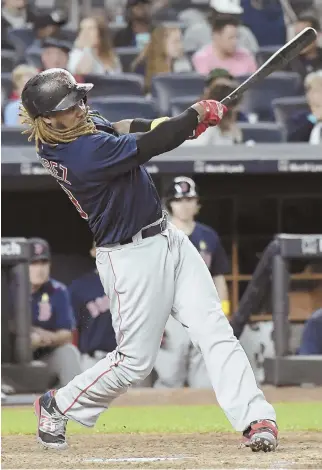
(131, 3)
(55, 18)
(58, 43)
(231, 7)
(218, 73)
(40, 249)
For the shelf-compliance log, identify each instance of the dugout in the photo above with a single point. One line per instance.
(247, 201)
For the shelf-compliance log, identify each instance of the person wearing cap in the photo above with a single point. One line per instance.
(199, 31)
(52, 318)
(48, 25)
(179, 363)
(139, 25)
(54, 53)
(223, 51)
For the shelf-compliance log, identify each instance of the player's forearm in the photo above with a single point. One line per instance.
(221, 286)
(61, 337)
(166, 136)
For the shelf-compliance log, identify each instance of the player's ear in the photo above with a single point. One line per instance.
(47, 120)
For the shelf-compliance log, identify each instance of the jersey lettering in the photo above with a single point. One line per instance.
(75, 202)
(53, 167)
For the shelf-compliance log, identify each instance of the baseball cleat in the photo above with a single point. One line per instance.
(261, 435)
(51, 422)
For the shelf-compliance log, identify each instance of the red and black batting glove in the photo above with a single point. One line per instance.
(214, 112)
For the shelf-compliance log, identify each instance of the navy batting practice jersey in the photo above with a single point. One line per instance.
(52, 309)
(102, 178)
(208, 243)
(91, 307)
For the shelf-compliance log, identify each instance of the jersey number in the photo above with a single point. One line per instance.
(75, 202)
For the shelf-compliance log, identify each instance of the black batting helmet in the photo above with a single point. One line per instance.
(51, 91)
(181, 187)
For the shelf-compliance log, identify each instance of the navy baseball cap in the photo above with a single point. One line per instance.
(40, 250)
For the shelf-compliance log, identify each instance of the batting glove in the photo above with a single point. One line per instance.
(214, 111)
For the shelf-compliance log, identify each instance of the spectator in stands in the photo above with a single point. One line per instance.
(139, 25)
(93, 49)
(20, 75)
(52, 318)
(224, 52)
(198, 32)
(164, 53)
(218, 85)
(54, 54)
(307, 127)
(162, 10)
(14, 14)
(47, 26)
(311, 342)
(266, 20)
(310, 58)
(95, 332)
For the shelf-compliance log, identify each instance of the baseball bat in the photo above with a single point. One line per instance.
(277, 61)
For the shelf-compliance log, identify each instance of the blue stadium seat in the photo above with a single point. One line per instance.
(265, 53)
(167, 86)
(11, 136)
(33, 56)
(259, 98)
(21, 38)
(127, 56)
(180, 104)
(8, 60)
(6, 85)
(125, 84)
(118, 108)
(284, 108)
(263, 132)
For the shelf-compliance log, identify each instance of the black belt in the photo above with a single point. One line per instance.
(149, 231)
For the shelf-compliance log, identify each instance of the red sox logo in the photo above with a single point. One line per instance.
(45, 310)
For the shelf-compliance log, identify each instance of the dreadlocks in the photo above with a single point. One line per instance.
(42, 132)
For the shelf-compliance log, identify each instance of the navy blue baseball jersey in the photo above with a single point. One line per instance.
(94, 321)
(102, 177)
(208, 243)
(52, 309)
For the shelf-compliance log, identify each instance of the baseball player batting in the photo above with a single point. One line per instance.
(148, 268)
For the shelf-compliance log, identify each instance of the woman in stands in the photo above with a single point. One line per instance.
(20, 76)
(93, 49)
(163, 54)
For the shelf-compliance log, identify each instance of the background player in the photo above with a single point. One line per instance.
(147, 266)
(95, 333)
(179, 362)
(52, 318)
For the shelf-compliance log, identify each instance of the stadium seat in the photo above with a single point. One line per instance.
(284, 108)
(180, 104)
(6, 86)
(263, 132)
(126, 56)
(8, 60)
(167, 86)
(265, 53)
(11, 136)
(34, 57)
(258, 99)
(21, 38)
(118, 108)
(125, 84)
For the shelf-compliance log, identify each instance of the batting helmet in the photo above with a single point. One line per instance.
(181, 187)
(51, 91)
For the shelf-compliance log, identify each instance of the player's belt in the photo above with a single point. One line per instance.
(150, 231)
